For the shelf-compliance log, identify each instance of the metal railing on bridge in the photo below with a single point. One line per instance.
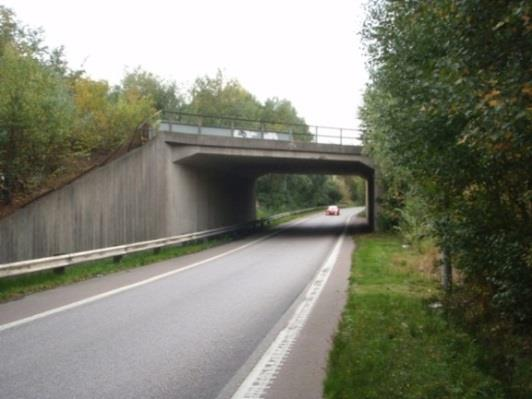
(211, 125)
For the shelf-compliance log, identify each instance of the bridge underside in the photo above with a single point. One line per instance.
(250, 166)
(176, 183)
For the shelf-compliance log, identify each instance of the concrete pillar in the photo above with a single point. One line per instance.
(372, 203)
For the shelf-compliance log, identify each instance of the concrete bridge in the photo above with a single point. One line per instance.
(186, 178)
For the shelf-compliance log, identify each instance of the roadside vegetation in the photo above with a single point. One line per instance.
(396, 339)
(447, 117)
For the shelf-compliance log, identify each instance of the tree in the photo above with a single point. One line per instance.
(285, 118)
(35, 111)
(218, 97)
(447, 117)
(50, 115)
(106, 119)
(165, 95)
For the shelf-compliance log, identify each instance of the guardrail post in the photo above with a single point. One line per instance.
(341, 138)
(316, 134)
(232, 128)
(262, 130)
(290, 134)
(30, 266)
(200, 123)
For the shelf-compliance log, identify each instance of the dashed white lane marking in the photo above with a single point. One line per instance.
(106, 294)
(266, 370)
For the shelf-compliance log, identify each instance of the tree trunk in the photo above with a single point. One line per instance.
(446, 270)
(8, 177)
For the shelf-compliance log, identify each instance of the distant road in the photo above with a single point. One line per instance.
(183, 336)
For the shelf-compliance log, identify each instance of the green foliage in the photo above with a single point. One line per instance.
(216, 96)
(357, 189)
(50, 115)
(391, 344)
(413, 224)
(447, 117)
(279, 193)
(352, 190)
(165, 95)
(25, 41)
(105, 119)
(276, 110)
(35, 112)
(220, 97)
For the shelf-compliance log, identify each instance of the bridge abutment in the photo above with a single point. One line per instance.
(174, 184)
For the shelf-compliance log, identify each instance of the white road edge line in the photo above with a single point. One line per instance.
(268, 367)
(95, 298)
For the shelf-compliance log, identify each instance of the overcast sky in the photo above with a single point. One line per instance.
(308, 52)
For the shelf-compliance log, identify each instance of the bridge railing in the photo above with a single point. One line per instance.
(59, 262)
(222, 126)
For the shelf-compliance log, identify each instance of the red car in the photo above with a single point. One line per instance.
(332, 210)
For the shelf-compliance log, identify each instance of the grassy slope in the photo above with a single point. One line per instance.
(390, 343)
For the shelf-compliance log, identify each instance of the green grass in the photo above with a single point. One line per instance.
(18, 286)
(289, 218)
(390, 343)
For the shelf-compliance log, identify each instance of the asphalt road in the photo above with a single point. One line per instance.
(184, 336)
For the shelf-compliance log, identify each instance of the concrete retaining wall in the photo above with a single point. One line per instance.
(174, 184)
(140, 196)
(114, 204)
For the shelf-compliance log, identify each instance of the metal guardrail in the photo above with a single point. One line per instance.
(59, 262)
(211, 125)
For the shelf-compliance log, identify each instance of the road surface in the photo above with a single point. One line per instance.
(192, 334)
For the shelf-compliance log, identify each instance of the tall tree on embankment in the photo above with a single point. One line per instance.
(447, 117)
(166, 95)
(54, 122)
(35, 111)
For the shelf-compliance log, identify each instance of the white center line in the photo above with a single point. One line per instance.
(94, 298)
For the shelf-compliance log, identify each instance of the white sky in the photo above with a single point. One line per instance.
(308, 52)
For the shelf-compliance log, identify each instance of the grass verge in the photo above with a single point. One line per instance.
(391, 342)
(287, 219)
(18, 286)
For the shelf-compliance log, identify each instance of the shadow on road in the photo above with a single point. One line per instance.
(357, 226)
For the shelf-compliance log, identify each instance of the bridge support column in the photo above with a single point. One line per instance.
(372, 195)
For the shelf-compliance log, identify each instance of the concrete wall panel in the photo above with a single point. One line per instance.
(122, 202)
(201, 199)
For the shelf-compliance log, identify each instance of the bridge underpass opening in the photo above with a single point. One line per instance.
(236, 149)
(231, 165)
(284, 192)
